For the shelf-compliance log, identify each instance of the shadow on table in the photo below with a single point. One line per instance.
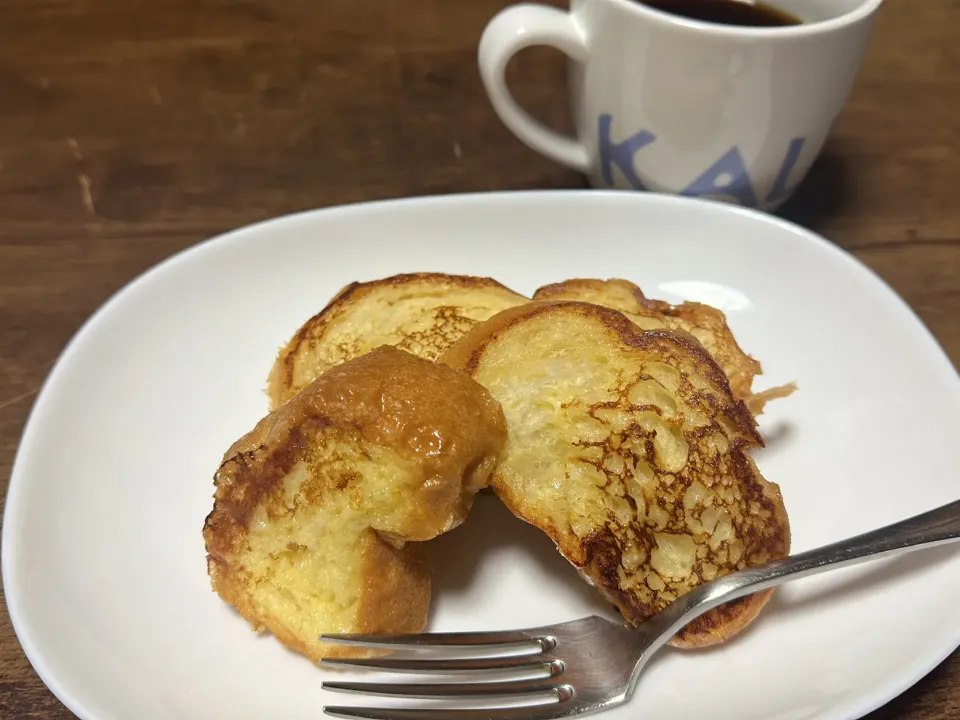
(823, 194)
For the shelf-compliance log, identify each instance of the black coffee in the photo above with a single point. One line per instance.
(726, 12)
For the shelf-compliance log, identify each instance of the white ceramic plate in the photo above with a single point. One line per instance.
(103, 560)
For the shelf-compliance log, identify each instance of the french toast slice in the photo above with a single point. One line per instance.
(317, 509)
(422, 313)
(628, 448)
(707, 324)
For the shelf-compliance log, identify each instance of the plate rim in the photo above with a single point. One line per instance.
(37, 657)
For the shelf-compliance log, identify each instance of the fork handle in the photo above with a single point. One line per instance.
(935, 527)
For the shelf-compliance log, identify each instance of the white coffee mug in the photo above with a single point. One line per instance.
(670, 104)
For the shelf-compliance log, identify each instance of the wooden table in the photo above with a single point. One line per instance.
(131, 129)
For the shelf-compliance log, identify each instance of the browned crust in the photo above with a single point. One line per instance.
(625, 296)
(395, 597)
(314, 329)
(725, 621)
(599, 557)
(446, 424)
(705, 316)
(387, 397)
(396, 590)
(722, 623)
(466, 354)
(250, 477)
(631, 298)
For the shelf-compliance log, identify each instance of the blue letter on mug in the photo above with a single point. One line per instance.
(620, 154)
(727, 176)
(779, 189)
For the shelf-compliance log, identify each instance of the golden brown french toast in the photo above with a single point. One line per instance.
(422, 313)
(707, 324)
(316, 508)
(628, 448)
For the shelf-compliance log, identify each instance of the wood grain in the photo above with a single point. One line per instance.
(131, 129)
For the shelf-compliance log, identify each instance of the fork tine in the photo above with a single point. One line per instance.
(426, 640)
(454, 691)
(526, 663)
(528, 712)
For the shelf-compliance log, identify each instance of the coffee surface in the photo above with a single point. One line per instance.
(726, 12)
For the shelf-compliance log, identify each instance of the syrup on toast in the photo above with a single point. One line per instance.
(315, 508)
(421, 313)
(628, 448)
(707, 324)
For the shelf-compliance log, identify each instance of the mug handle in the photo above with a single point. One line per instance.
(510, 31)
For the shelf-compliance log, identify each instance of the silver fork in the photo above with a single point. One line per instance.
(591, 664)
